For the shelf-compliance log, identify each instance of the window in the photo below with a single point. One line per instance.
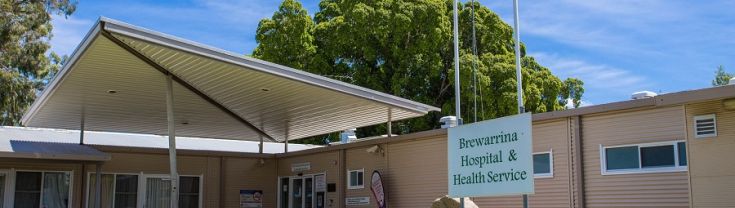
(705, 126)
(642, 158)
(158, 189)
(543, 165)
(122, 190)
(118, 190)
(356, 179)
(188, 192)
(42, 189)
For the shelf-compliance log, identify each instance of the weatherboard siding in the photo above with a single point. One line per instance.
(49, 165)
(711, 168)
(550, 192)
(640, 189)
(360, 158)
(249, 174)
(418, 172)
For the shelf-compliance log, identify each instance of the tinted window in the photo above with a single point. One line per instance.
(682, 148)
(658, 156)
(542, 163)
(28, 189)
(621, 158)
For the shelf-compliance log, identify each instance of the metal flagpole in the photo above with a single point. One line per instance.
(456, 76)
(519, 75)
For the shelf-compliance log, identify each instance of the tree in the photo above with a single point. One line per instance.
(286, 38)
(721, 77)
(404, 48)
(25, 28)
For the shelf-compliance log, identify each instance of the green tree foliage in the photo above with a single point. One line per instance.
(25, 66)
(404, 48)
(287, 37)
(721, 77)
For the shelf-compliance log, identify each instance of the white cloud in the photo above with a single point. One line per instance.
(67, 33)
(601, 82)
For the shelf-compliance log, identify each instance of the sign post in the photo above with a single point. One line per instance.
(491, 158)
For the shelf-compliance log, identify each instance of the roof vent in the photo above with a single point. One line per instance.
(732, 81)
(347, 136)
(448, 121)
(642, 95)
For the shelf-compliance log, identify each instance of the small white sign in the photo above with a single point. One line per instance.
(491, 158)
(299, 167)
(352, 201)
(320, 183)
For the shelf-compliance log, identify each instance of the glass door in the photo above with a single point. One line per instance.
(300, 192)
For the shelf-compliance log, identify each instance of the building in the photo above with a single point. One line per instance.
(669, 150)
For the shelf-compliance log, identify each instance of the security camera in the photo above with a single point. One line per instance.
(373, 149)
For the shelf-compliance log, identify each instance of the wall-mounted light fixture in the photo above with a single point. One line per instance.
(729, 104)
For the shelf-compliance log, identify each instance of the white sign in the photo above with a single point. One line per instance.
(299, 167)
(491, 158)
(357, 200)
(320, 183)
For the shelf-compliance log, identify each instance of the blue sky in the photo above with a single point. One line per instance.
(615, 46)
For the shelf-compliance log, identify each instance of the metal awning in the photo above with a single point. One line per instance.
(115, 81)
(51, 151)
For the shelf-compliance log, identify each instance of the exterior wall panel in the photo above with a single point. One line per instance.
(639, 189)
(360, 158)
(550, 192)
(328, 163)
(711, 168)
(418, 172)
(249, 174)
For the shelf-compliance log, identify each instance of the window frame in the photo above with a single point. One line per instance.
(91, 175)
(551, 165)
(705, 116)
(676, 168)
(349, 179)
(10, 179)
(144, 179)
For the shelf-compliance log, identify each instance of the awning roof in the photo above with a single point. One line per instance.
(50, 151)
(218, 94)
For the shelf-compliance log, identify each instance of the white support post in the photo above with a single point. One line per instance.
(285, 138)
(389, 122)
(98, 185)
(260, 146)
(172, 142)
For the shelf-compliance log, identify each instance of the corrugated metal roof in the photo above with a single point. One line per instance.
(50, 151)
(218, 90)
(59, 136)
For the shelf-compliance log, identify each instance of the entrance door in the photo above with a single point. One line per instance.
(298, 192)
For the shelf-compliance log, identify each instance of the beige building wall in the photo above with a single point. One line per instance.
(639, 189)
(418, 171)
(328, 163)
(7, 164)
(360, 159)
(711, 165)
(550, 192)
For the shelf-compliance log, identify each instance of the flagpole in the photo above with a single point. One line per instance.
(519, 74)
(456, 76)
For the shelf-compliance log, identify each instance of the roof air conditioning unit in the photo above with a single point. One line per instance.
(448, 121)
(642, 95)
(732, 81)
(347, 136)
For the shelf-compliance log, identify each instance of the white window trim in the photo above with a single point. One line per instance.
(641, 169)
(708, 116)
(551, 165)
(349, 185)
(10, 184)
